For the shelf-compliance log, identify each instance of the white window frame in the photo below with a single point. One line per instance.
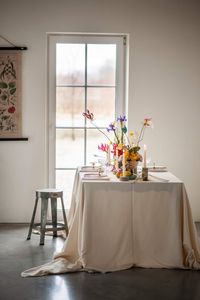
(121, 103)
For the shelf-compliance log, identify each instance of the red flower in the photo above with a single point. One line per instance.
(11, 109)
(88, 115)
(120, 151)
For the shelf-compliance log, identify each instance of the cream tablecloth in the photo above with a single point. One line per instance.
(116, 225)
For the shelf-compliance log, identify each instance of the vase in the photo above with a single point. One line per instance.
(132, 166)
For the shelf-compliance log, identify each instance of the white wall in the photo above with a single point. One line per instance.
(164, 83)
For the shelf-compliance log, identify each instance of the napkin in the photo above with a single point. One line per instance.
(95, 177)
(158, 178)
(157, 169)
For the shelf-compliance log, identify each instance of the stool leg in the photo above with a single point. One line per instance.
(44, 206)
(64, 216)
(32, 219)
(54, 215)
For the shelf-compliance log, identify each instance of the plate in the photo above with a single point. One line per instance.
(95, 177)
(88, 169)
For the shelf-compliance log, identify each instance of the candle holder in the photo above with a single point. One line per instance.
(93, 164)
(100, 171)
(124, 178)
(145, 174)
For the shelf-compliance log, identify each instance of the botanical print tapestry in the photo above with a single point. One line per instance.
(10, 90)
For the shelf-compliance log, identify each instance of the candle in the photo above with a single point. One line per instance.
(108, 155)
(123, 165)
(116, 160)
(145, 156)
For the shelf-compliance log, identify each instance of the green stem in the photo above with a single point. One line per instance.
(122, 134)
(101, 131)
(141, 135)
(128, 140)
(116, 137)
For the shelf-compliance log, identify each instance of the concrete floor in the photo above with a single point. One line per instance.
(17, 254)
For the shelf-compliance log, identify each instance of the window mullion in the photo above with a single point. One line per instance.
(85, 130)
(87, 85)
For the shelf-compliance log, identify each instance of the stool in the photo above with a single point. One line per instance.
(45, 195)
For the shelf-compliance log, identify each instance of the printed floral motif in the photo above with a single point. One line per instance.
(8, 94)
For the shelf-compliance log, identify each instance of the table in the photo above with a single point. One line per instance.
(117, 225)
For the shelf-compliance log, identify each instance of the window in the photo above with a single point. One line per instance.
(84, 71)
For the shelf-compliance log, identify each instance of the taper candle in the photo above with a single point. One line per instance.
(108, 155)
(145, 156)
(116, 159)
(123, 164)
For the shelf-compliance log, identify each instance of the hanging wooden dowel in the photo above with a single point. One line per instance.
(13, 139)
(12, 47)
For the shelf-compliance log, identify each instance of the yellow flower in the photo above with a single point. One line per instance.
(128, 173)
(133, 156)
(127, 154)
(131, 133)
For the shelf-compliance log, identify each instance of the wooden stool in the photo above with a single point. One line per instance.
(45, 195)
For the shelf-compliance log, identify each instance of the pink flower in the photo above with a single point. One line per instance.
(147, 122)
(103, 147)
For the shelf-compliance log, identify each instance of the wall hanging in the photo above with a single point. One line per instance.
(10, 92)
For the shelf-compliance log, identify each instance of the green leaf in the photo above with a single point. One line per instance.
(12, 91)
(136, 149)
(12, 85)
(5, 117)
(3, 85)
(4, 97)
(124, 129)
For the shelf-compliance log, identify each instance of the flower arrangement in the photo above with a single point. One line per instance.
(125, 146)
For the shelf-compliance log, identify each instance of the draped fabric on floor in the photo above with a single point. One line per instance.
(117, 225)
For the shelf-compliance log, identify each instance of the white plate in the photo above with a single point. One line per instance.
(88, 169)
(95, 177)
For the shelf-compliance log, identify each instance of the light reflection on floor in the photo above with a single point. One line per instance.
(59, 289)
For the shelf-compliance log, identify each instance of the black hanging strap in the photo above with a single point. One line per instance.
(13, 47)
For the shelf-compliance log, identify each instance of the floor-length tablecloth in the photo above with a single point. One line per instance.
(116, 225)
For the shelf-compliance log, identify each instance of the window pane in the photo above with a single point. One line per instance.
(64, 181)
(101, 64)
(101, 101)
(95, 138)
(70, 64)
(69, 148)
(69, 106)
